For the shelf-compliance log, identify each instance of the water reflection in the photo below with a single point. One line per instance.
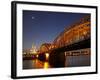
(77, 61)
(46, 65)
(68, 61)
(35, 64)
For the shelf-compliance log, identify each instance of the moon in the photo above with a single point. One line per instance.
(33, 17)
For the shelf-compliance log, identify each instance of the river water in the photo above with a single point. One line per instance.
(70, 61)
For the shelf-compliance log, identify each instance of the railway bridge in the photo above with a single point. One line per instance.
(75, 40)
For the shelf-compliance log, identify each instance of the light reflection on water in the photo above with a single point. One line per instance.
(73, 61)
(46, 65)
(35, 64)
(70, 61)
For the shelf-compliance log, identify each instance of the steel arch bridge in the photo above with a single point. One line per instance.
(76, 36)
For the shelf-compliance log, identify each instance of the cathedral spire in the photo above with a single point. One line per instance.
(33, 45)
(33, 49)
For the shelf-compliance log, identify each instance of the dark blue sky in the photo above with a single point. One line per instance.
(43, 27)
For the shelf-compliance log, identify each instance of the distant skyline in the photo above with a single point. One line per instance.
(43, 27)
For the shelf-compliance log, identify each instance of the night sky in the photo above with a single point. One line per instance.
(43, 27)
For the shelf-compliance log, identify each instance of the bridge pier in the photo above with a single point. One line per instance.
(57, 59)
(42, 57)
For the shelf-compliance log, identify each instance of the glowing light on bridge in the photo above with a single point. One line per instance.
(47, 56)
(37, 56)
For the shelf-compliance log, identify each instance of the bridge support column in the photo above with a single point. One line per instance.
(57, 59)
(42, 57)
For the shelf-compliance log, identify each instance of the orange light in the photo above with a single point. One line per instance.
(37, 56)
(47, 56)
